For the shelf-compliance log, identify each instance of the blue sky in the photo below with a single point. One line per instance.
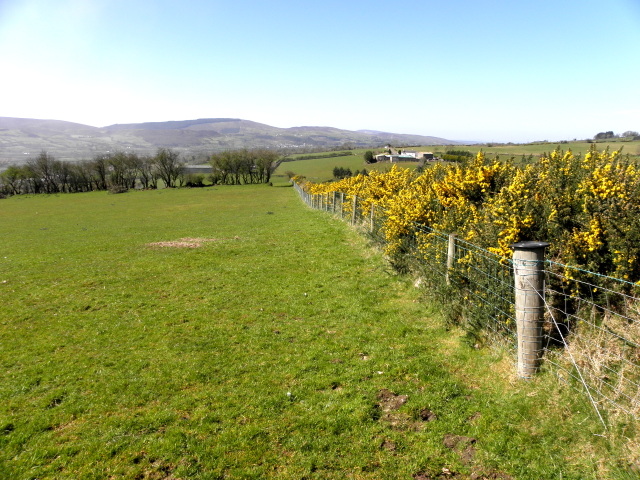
(491, 70)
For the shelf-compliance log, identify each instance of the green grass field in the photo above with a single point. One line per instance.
(280, 347)
(320, 170)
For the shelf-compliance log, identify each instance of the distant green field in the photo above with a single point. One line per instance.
(321, 169)
(231, 332)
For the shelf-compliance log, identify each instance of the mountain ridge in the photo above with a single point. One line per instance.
(195, 140)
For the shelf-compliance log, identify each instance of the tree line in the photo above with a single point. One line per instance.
(238, 167)
(116, 172)
(630, 134)
(120, 171)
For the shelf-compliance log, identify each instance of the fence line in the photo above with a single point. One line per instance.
(591, 324)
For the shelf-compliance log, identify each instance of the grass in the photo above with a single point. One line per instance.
(320, 170)
(282, 347)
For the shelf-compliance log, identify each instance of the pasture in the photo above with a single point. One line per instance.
(230, 332)
(320, 170)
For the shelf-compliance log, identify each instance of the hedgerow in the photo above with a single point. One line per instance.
(587, 208)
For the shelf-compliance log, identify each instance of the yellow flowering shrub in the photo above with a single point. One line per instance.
(588, 207)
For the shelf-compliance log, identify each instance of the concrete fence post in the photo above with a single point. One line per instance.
(353, 210)
(372, 218)
(528, 272)
(451, 256)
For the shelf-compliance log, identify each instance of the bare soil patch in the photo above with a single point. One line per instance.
(187, 242)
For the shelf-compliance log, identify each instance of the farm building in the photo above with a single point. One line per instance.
(406, 156)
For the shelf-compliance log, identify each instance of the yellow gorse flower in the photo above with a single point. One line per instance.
(587, 207)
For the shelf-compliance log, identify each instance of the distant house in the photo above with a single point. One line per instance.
(405, 156)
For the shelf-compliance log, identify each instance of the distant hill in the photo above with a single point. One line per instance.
(23, 138)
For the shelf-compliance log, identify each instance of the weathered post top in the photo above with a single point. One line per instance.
(529, 245)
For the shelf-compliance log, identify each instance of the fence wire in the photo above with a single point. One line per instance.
(593, 335)
(591, 332)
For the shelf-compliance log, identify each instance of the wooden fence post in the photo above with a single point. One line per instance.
(451, 256)
(528, 272)
(341, 204)
(333, 203)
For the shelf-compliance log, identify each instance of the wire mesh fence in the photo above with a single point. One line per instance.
(593, 340)
(591, 329)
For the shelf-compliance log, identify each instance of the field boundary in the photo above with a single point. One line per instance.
(589, 329)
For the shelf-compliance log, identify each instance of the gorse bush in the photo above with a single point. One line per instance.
(588, 207)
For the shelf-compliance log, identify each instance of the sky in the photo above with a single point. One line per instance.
(483, 70)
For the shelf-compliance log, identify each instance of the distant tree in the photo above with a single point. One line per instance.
(43, 169)
(168, 166)
(246, 163)
(146, 172)
(340, 173)
(123, 170)
(221, 163)
(604, 135)
(12, 179)
(630, 133)
(61, 175)
(99, 171)
(265, 162)
(369, 157)
(80, 177)
(236, 167)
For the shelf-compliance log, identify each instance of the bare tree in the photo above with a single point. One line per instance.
(265, 161)
(147, 172)
(168, 166)
(43, 169)
(99, 169)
